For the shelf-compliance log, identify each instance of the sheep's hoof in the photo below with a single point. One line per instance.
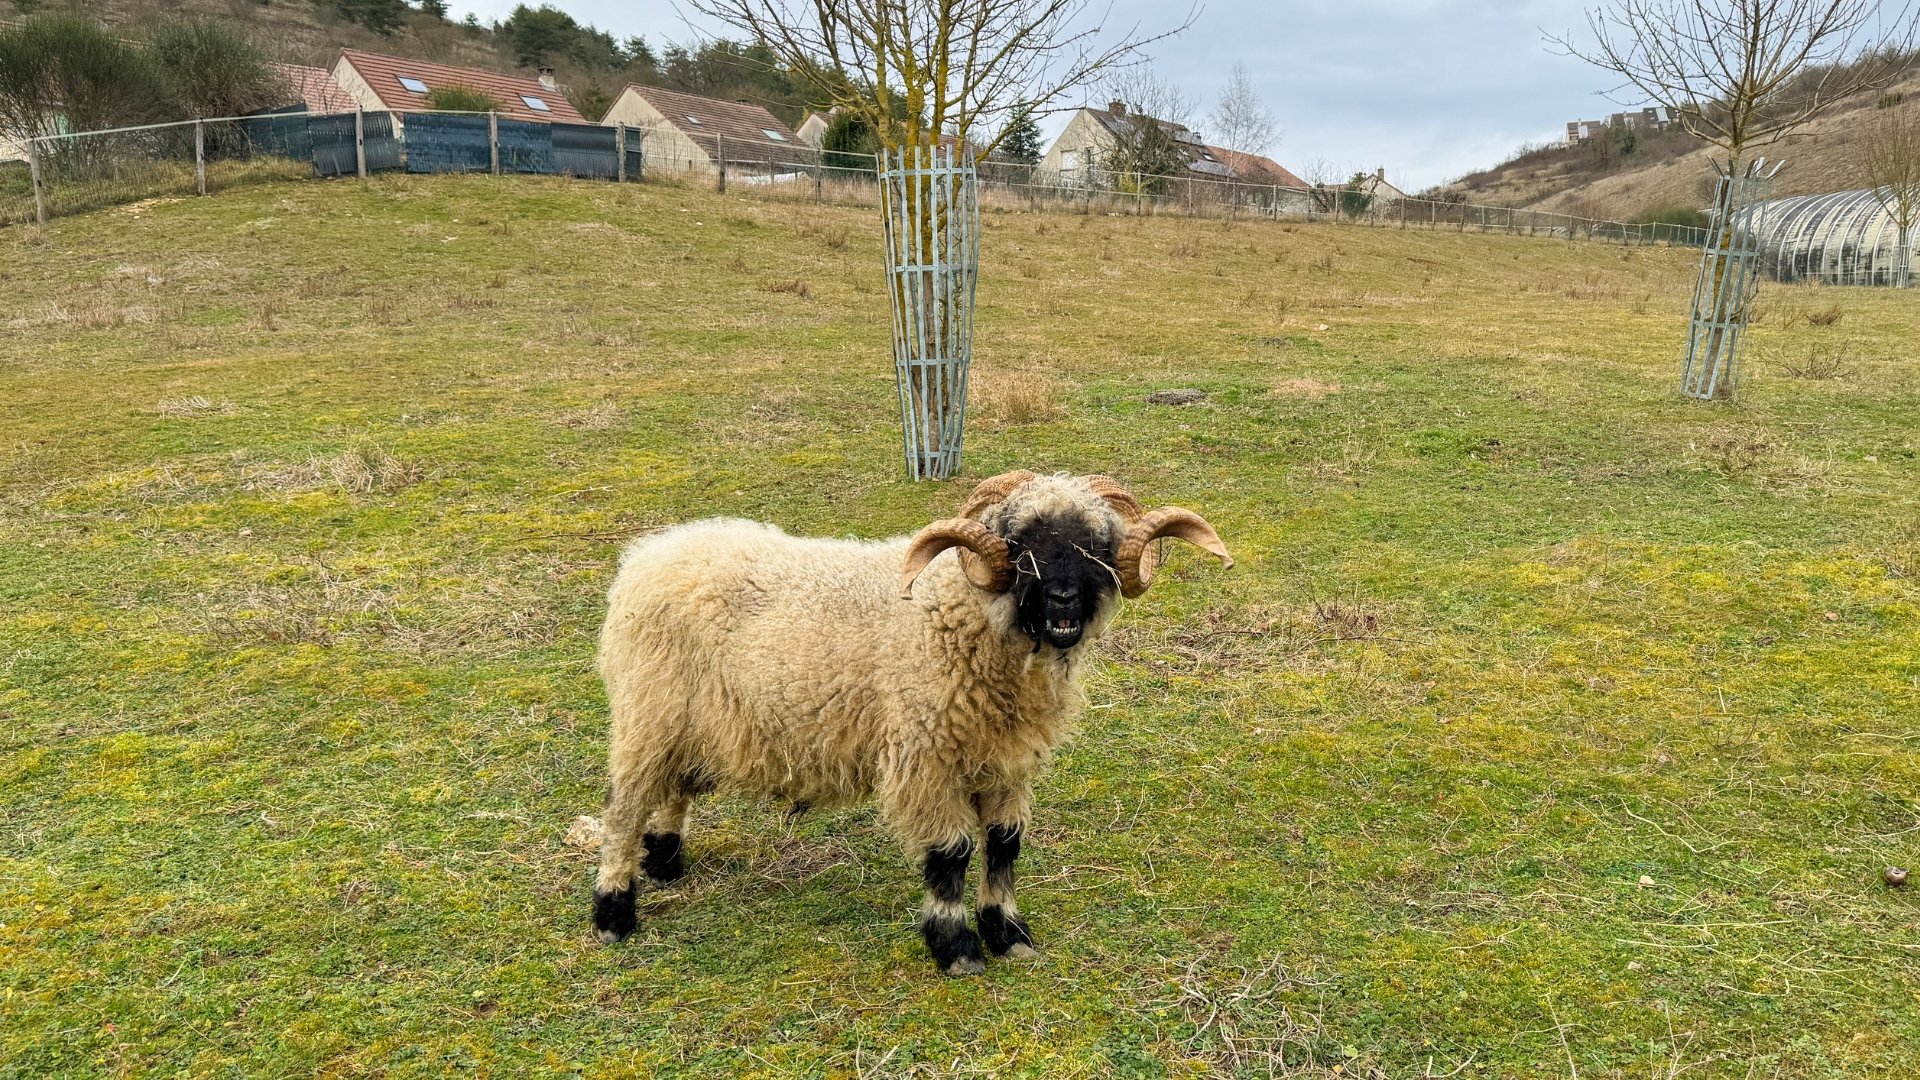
(613, 915)
(967, 965)
(1020, 950)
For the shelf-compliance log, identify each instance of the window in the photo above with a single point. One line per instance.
(693, 118)
(412, 83)
(1070, 160)
(772, 134)
(534, 103)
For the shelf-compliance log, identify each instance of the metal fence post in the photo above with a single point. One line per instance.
(39, 188)
(199, 156)
(360, 143)
(819, 169)
(493, 139)
(620, 152)
(720, 158)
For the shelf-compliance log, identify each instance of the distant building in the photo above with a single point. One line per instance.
(813, 129)
(1089, 138)
(685, 132)
(1651, 118)
(379, 83)
(316, 89)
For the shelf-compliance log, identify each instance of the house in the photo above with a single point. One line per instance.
(1650, 118)
(379, 83)
(316, 89)
(685, 132)
(1077, 155)
(813, 128)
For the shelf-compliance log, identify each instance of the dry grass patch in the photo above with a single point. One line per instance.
(187, 408)
(361, 470)
(1017, 397)
(1309, 388)
(606, 414)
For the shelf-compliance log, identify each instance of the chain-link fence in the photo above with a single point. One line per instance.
(90, 170)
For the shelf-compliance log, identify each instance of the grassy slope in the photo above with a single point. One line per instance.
(1830, 155)
(1548, 721)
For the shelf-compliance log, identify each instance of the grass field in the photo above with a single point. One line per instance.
(1548, 725)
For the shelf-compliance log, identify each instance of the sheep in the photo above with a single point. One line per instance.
(828, 672)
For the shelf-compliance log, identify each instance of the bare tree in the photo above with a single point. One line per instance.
(1739, 74)
(1742, 74)
(918, 69)
(1152, 143)
(1241, 120)
(1893, 171)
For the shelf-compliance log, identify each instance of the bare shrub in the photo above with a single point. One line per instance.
(1823, 362)
(1828, 317)
(797, 288)
(1017, 397)
(1737, 454)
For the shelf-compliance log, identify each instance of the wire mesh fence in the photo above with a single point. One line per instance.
(92, 170)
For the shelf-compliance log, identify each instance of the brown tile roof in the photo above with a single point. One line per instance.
(382, 73)
(1256, 168)
(315, 87)
(733, 119)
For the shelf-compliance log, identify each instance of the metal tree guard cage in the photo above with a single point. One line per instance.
(930, 201)
(1729, 266)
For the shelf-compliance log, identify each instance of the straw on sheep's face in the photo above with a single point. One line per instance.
(1060, 545)
(1062, 572)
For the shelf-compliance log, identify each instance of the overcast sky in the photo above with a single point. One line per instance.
(1430, 89)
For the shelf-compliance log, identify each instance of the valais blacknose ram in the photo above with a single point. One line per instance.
(824, 672)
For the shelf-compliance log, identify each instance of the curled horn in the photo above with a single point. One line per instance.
(1136, 571)
(994, 489)
(991, 570)
(1117, 497)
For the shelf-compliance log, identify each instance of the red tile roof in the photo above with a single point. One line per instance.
(1256, 169)
(383, 73)
(315, 87)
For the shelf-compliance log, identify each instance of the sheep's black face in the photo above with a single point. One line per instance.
(1062, 577)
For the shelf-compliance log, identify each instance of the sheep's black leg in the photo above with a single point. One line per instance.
(665, 861)
(1004, 931)
(613, 907)
(943, 921)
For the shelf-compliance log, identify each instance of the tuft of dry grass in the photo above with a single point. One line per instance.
(600, 416)
(1017, 397)
(187, 408)
(796, 287)
(361, 470)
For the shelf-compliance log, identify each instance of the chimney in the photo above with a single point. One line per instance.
(1117, 108)
(547, 80)
(1380, 174)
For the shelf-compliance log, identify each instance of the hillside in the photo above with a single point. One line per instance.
(1548, 723)
(1671, 169)
(299, 31)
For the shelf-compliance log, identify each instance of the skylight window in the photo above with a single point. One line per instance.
(534, 103)
(693, 118)
(412, 83)
(772, 134)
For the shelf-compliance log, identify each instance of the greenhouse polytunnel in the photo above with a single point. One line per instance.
(1841, 238)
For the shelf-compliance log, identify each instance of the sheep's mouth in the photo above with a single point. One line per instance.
(1064, 633)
